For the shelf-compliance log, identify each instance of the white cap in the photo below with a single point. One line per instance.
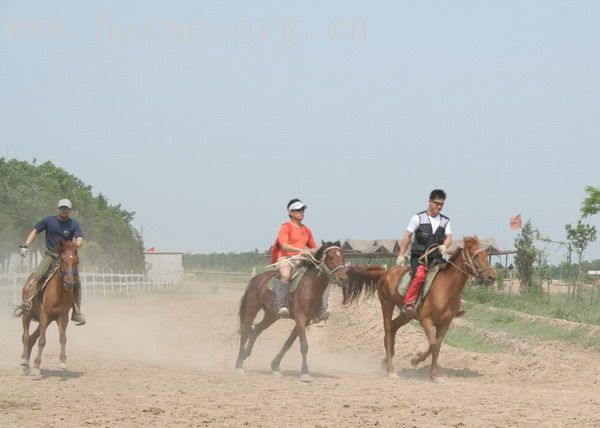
(298, 205)
(64, 203)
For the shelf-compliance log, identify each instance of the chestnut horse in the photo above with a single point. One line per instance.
(328, 265)
(439, 307)
(51, 304)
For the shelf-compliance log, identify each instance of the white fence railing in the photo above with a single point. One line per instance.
(98, 284)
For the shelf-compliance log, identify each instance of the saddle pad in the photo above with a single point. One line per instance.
(51, 272)
(297, 275)
(404, 282)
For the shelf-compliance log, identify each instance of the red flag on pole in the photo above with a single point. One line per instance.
(515, 222)
(151, 250)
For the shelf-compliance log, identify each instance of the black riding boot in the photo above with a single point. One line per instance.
(32, 289)
(77, 316)
(281, 290)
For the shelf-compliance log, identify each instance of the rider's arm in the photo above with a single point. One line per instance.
(448, 241)
(31, 237)
(288, 248)
(404, 244)
(79, 241)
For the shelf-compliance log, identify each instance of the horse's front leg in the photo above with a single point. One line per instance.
(440, 333)
(387, 309)
(62, 322)
(28, 340)
(286, 346)
(428, 327)
(43, 325)
(301, 326)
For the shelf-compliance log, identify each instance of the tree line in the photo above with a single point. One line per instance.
(29, 192)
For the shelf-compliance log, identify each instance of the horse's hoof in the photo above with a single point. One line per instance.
(305, 377)
(25, 363)
(26, 370)
(438, 379)
(392, 375)
(62, 365)
(276, 373)
(35, 373)
(240, 371)
(414, 362)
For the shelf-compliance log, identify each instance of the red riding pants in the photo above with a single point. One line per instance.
(415, 284)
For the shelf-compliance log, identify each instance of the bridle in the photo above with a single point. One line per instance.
(471, 268)
(69, 271)
(323, 268)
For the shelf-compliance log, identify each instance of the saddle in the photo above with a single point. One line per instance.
(404, 282)
(43, 281)
(297, 275)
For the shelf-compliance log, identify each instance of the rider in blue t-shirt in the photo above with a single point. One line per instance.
(58, 228)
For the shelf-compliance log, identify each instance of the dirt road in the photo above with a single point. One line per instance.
(168, 360)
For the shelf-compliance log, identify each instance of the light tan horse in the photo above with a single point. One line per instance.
(439, 308)
(51, 304)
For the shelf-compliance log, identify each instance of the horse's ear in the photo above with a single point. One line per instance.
(322, 242)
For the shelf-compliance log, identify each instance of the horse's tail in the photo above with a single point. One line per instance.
(242, 311)
(362, 279)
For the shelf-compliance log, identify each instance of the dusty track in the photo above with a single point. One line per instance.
(167, 360)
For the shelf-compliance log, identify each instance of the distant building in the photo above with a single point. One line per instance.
(164, 264)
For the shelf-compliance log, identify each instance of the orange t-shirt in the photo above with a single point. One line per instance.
(296, 236)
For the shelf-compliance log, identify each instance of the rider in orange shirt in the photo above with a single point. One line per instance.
(294, 239)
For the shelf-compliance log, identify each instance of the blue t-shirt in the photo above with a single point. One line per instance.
(58, 230)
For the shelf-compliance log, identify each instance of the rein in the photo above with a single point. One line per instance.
(322, 267)
(469, 263)
(74, 272)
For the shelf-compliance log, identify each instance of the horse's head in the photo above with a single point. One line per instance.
(332, 261)
(69, 262)
(476, 260)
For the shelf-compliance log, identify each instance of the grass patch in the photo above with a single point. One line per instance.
(515, 327)
(474, 341)
(559, 306)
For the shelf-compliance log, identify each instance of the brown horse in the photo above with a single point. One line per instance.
(439, 307)
(51, 304)
(328, 265)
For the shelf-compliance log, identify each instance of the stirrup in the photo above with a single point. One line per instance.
(323, 315)
(78, 319)
(409, 310)
(283, 312)
(26, 305)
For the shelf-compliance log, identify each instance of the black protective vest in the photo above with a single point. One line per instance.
(424, 236)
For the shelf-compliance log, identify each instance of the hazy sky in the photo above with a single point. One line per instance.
(205, 118)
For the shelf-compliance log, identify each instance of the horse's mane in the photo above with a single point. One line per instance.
(319, 253)
(66, 245)
(361, 279)
(469, 242)
(326, 245)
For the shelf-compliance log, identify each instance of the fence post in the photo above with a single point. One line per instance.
(83, 284)
(15, 287)
(94, 282)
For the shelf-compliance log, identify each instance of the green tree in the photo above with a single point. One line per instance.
(526, 254)
(580, 237)
(591, 204)
(28, 192)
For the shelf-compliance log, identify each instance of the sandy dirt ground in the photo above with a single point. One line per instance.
(168, 360)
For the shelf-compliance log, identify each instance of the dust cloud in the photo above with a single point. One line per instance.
(188, 327)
